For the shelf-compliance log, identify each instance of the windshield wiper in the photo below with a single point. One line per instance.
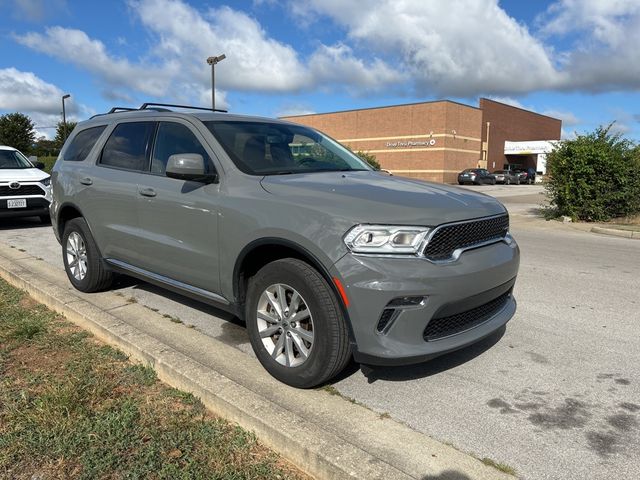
(281, 172)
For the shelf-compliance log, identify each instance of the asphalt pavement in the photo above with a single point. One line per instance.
(555, 395)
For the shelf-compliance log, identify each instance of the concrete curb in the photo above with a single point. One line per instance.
(616, 233)
(322, 434)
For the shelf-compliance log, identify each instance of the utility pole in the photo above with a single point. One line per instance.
(64, 118)
(213, 61)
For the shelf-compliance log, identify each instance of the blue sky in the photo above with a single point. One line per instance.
(572, 59)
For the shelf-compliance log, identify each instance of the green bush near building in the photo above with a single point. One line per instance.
(594, 177)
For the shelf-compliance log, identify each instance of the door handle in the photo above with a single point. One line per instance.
(86, 181)
(147, 192)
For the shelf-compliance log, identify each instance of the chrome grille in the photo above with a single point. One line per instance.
(448, 238)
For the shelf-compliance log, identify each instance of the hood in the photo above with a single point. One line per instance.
(375, 197)
(22, 175)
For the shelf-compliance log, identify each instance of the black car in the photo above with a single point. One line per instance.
(527, 176)
(476, 176)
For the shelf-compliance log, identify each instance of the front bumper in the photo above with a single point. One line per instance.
(477, 277)
(36, 206)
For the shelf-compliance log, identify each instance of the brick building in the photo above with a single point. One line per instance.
(435, 140)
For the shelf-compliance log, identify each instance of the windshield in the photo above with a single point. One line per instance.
(13, 159)
(261, 148)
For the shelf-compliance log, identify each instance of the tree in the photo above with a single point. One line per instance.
(16, 130)
(44, 148)
(370, 158)
(594, 177)
(60, 133)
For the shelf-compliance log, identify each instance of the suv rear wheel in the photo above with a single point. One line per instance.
(82, 260)
(295, 324)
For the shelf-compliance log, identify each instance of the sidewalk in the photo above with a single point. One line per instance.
(321, 433)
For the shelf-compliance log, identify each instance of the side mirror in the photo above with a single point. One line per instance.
(189, 166)
(38, 165)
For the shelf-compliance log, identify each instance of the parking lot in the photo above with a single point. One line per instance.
(554, 395)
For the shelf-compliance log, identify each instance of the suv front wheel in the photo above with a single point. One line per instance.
(82, 260)
(295, 324)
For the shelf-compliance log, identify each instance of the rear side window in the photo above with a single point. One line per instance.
(175, 138)
(82, 144)
(128, 146)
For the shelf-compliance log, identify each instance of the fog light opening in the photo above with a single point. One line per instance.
(387, 319)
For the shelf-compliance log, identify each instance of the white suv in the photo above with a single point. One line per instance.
(24, 188)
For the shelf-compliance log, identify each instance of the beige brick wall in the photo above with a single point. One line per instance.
(452, 131)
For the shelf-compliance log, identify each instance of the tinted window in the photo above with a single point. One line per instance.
(262, 148)
(82, 144)
(175, 138)
(128, 145)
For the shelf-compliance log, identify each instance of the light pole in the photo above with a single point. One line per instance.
(64, 118)
(212, 61)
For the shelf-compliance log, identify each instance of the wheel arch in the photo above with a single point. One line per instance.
(66, 212)
(260, 252)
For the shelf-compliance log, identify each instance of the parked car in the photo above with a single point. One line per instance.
(324, 258)
(24, 188)
(527, 176)
(476, 176)
(506, 177)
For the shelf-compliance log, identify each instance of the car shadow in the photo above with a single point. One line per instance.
(21, 223)
(372, 373)
(447, 475)
(124, 281)
(432, 367)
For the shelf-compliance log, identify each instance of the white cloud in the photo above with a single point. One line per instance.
(508, 101)
(37, 10)
(568, 118)
(183, 37)
(457, 48)
(605, 51)
(27, 93)
(24, 91)
(294, 109)
(75, 47)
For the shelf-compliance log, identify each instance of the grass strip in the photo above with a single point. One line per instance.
(72, 407)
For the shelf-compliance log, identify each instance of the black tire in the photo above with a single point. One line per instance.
(518, 181)
(46, 219)
(507, 182)
(493, 181)
(97, 277)
(330, 351)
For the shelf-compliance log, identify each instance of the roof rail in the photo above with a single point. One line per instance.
(120, 109)
(157, 107)
(145, 106)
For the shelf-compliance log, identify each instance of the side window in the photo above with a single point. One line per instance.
(128, 146)
(82, 144)
(175, 138)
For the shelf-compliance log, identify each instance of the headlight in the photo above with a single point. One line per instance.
(46, 181)
(385, 239)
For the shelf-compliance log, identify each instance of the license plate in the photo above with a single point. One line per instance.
(17, 203)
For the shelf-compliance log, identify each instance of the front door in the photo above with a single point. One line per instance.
(179, 218)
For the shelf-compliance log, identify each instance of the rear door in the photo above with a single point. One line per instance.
(179, 218)
(109, 199)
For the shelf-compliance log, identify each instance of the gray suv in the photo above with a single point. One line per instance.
(324, 258)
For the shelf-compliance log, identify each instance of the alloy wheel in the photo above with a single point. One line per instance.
(285, 325)
(77, 256)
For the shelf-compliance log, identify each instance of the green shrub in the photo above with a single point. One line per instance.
(594, 177)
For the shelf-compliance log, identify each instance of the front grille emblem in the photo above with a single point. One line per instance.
(14, 185)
